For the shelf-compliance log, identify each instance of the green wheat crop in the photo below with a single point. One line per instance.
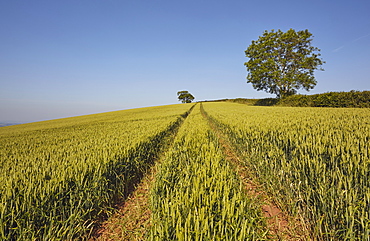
(57, 176)
(314, 161)
(197, 195)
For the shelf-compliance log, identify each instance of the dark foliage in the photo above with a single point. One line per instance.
(356, 99)
(185, 97)
(352, 99)
(283, 62)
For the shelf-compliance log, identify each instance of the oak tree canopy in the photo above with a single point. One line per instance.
(283, 62)
(185, 97)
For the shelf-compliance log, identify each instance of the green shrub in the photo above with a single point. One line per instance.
(353, 99)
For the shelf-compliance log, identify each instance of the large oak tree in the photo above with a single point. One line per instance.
(283, 62)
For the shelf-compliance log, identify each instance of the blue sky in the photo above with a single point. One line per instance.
(68, 58)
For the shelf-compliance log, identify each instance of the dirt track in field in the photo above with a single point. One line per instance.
(281, 226)
(132, 219)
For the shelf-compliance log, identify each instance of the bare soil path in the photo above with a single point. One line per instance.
(132, 220)
(281, 226)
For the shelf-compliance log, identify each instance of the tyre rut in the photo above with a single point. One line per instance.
(280, 225)
(131, 219)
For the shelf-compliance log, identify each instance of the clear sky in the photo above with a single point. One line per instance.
(68, 58)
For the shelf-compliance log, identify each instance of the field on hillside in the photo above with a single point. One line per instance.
(58, 176)
(315, 161)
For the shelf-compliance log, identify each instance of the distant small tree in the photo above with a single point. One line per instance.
(185, 97)
(281, 63)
